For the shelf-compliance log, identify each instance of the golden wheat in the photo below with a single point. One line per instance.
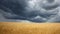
(29, 28)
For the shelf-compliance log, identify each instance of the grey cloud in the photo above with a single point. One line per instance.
(35, 11)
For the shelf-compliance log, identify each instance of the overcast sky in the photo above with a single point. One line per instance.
(30, 10)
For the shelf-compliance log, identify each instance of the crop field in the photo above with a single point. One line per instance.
(29, 28)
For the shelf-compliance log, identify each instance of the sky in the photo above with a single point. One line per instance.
(30, 10)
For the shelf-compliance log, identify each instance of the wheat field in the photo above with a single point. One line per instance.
(29, 28)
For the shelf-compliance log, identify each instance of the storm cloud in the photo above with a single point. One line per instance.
(30, 10)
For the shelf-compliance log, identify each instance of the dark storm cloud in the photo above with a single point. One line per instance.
(30, 10)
